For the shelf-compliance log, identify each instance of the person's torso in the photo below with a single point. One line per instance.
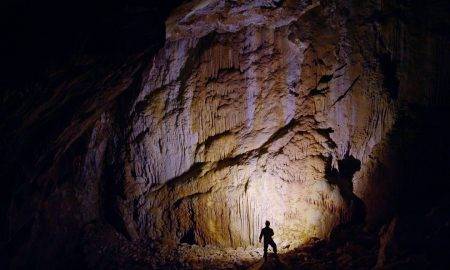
(267, 233)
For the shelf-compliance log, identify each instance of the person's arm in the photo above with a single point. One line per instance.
(260, 235)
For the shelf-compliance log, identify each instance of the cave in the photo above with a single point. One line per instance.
(164, 134)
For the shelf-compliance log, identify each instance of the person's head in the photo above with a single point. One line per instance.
(267, 223)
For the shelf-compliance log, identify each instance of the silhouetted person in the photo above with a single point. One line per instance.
(267, 233)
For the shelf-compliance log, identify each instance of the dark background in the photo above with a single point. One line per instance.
(39, 35)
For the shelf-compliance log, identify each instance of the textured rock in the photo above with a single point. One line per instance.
(309, 114)
(244, 116)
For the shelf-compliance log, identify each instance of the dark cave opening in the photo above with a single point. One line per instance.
(189, 237)
(342, 176)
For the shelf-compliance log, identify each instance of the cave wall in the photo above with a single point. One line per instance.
(238, 123)
(306, 113)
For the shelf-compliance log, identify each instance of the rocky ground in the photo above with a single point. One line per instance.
(347, 248)
(358, 252)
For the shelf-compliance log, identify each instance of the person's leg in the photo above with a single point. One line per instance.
(274, 247)
(266, 245)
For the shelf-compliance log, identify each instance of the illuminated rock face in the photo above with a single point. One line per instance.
(303, 113)
(249, 113)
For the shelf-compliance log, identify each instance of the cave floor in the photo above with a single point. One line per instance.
(359, 251)
(318, 254)
(347, 249)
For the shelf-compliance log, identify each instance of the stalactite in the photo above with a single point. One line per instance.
(257, 117)
(216, 116)
(216, 58)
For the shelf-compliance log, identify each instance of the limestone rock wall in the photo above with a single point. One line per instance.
(247, 114)
(305, 113)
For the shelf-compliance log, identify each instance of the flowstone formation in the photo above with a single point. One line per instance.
(153, 146)
(252, 111)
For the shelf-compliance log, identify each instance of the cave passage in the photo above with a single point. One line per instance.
(164, 134)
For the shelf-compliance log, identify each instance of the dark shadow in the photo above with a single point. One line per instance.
(189, 237)
(388, 68)
(271, 263)
(342, 177)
